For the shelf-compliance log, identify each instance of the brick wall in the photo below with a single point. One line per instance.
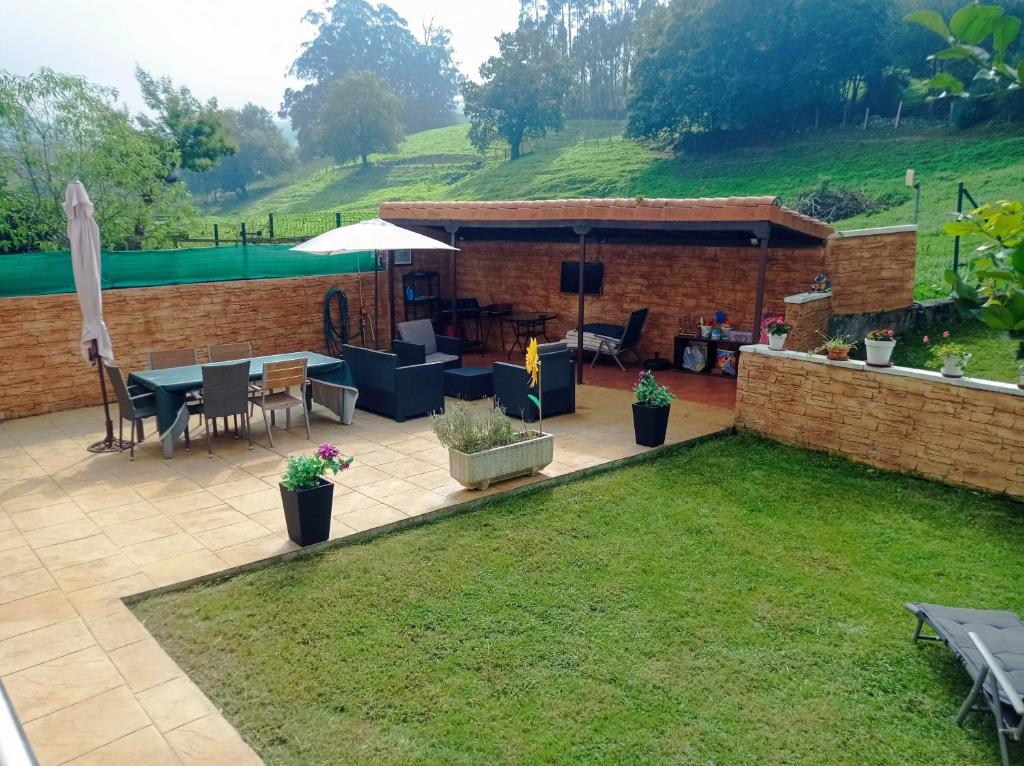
(808, 319)
(43, 370)
(872, 269)
(961, 432)
(676, 283)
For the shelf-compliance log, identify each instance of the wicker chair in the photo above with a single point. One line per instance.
(179, 357)
(226, 393)
(228, 352)
(133, 404)
(275, 392)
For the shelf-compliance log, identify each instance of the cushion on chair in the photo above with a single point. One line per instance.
(420, 331)
(605, 330)
(442, 358)
(551, 348)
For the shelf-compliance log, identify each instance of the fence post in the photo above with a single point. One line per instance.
(956, 240)
(867, 113)
(270, 224)
(243, 234)
(216, 235)
(337, 220)
(899, 113)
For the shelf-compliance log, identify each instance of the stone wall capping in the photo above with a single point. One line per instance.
(801, 298)
(878, 231)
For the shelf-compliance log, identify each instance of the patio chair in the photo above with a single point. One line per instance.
(990, 645)
(179, 357)
(417, 343)
(557, 382)
(226, 392)
(389, 388)
(134, 404)
(615, 340)
(228, 352)
(275, 392)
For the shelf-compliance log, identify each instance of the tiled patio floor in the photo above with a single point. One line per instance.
(80, 531)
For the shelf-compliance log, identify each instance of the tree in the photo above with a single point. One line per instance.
(360, 116)
(983, 36)
(523, 92)
(353, 36)
(262, 152)
(196, 135)
(55, 128)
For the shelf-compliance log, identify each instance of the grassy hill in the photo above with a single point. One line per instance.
(592, 159)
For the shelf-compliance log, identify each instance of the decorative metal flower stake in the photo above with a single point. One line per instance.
(533, 367)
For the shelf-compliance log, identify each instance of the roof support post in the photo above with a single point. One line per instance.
(582, 231)
(391, 296)
(762, 233)
(453, 266)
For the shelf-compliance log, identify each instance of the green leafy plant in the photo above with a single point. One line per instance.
(937, 352)
(835, 342)
(469, 429)
(884, 335)
(305, 471)
(777, 328)
(649, 393)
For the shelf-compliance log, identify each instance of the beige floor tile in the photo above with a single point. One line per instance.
(61, 533)
(34, 612)
(175, 703)
(104, 481)
(144, 747)
(272, 520)
(252, 502)
(96, 501)
(208, 518)
(368, 518)
(193, 501)
(101, 600)
(167, 489)
(432, 479)
(437, 456)
(239, 487)
(43, 645)
(378, 458)
(29, 495)
(117, 629)
(85, 726)
(15, 560)
(211, 740)
(256, 550)
(137, 509)
(233, 534)
(359, 475)
(141, 530)
(77, 552)
(415, 501)
(47, 515)
(354, 501)
(50, 686)
(23, 584)
(9, 536)
(380, 490)
(184, 567)
(94, 572)
(413, 445)
(144, 664)
(161, 548)
(408, 467)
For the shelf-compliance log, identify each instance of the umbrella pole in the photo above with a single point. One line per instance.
(108, 444)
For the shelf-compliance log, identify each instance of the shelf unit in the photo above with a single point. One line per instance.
(424, 287)
(712, 346)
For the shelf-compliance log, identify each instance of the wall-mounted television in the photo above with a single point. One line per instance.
(593, 278)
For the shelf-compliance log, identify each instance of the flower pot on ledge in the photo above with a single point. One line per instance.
(879, 352)
(777, 342)
(954, 364)
(838, 354)
(650, 424)
(307, 512)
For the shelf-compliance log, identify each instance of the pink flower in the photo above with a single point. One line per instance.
(891, 334)
(925, 338)
(945, 333)
(327, 451)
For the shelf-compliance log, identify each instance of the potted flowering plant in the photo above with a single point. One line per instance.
(650, 410)
(307, 496)
(777, 333)
(951, 358)
(879, 345)
(836, 347)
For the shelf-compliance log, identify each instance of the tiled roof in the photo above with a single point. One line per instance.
(711, 209)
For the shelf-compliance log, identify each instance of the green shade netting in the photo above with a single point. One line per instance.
(45, 273)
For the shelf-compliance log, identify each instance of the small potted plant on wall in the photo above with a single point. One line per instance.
(836, 347)
(650, 410)
(951, 358)
(878, 345)
(307, 496)
(777, 334)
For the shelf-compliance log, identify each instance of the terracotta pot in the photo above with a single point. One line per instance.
(838, 354)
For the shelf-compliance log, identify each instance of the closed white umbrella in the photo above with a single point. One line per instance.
(378, 235)
(84, 237)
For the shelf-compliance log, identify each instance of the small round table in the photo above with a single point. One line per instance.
(526, 326)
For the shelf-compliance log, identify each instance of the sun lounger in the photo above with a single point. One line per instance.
(990, 644)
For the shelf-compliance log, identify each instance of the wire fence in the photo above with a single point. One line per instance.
(268, 227)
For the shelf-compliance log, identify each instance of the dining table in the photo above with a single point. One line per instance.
(172, 385)
(527, 326)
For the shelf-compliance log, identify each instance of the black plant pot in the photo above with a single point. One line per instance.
(307, 513)
(650, 424)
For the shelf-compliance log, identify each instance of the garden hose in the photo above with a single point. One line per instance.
(335, 335)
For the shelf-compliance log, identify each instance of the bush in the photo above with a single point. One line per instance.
(469, 429)
(828, 203)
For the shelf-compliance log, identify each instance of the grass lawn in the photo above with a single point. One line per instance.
(739, 602)
(994, 354)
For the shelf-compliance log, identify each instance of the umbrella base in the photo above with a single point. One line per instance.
(104, 446)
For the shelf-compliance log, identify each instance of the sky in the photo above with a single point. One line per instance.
(235, 50)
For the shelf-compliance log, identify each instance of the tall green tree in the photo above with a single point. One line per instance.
(55, 128)
(196, 135)
(263, 151)
(522, 94)
(360, 116)
(355, 36)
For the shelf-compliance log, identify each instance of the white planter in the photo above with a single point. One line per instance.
(953, 366)
(777, 342)
(481, 469)
(879, 352)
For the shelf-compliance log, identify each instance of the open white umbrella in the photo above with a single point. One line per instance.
(84, 237)
(377, 235)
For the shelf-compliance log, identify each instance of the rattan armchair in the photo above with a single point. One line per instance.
(275, 392)
(226, 393)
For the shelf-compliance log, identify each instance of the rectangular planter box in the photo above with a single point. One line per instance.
(481, 469)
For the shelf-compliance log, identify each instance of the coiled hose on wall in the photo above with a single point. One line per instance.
(335, 335)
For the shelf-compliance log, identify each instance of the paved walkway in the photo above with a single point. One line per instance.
(80, 531)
